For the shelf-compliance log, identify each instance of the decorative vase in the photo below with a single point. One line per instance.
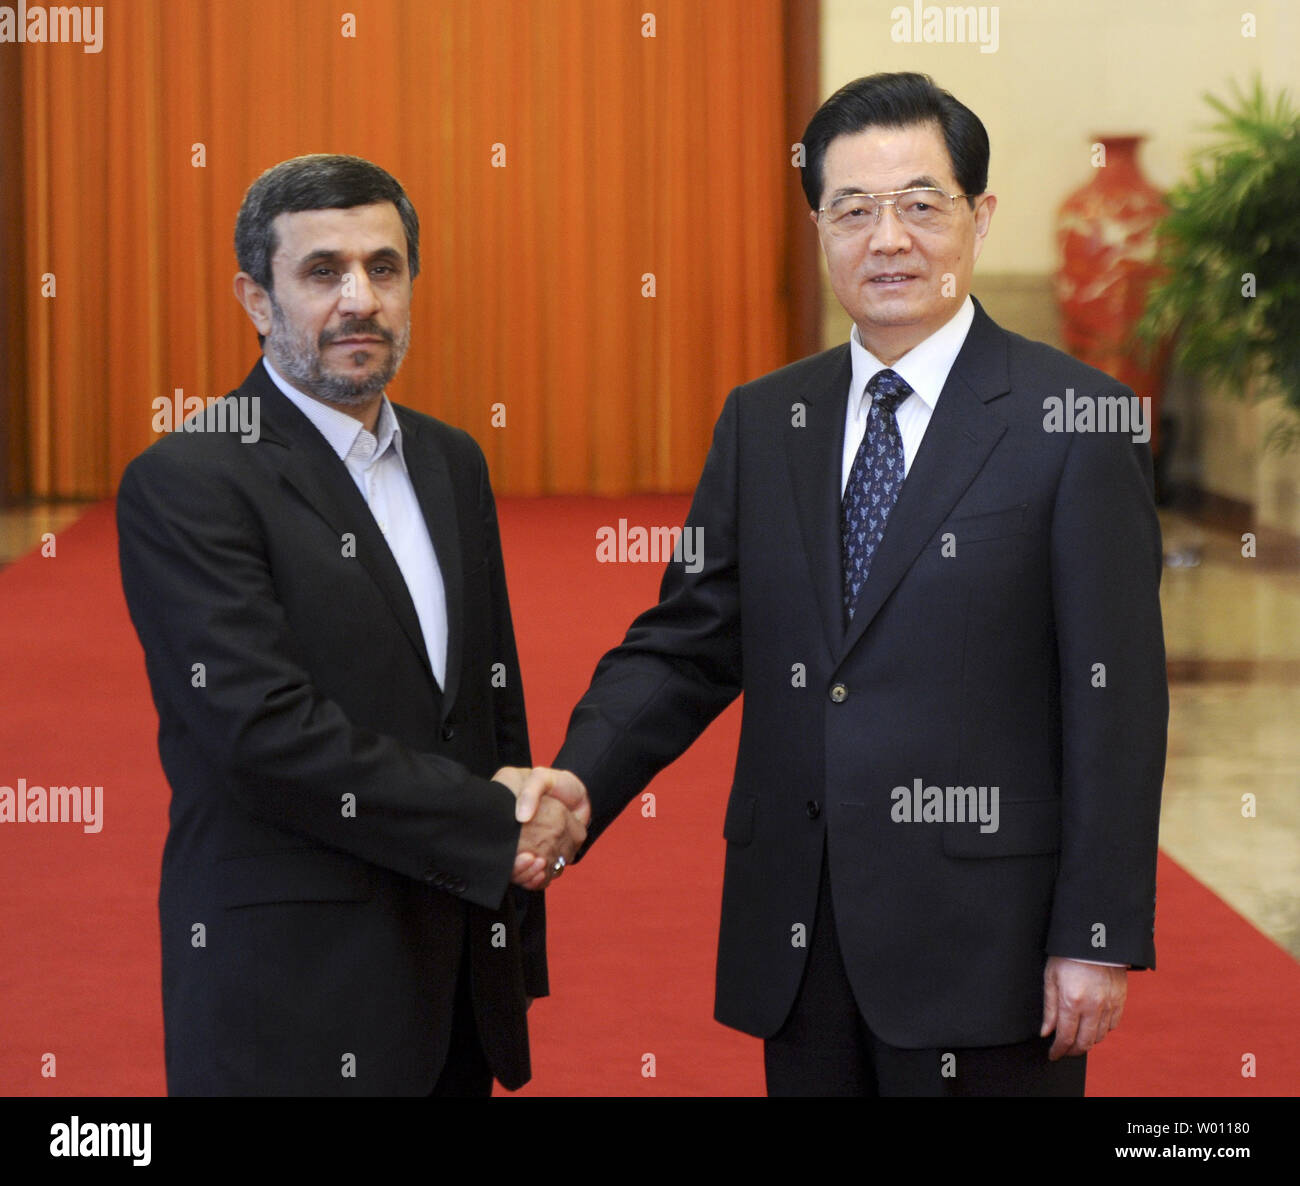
(1106, 240)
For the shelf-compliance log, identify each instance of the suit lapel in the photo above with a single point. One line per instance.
(306, 461)
(960, 436)
(814, 453)
(433, 488)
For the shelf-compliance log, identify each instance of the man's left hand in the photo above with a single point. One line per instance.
(529, 787)
(1081, 1002)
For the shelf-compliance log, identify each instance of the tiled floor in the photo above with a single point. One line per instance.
(1232, 633)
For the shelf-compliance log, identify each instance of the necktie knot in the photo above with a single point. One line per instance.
(888, 389)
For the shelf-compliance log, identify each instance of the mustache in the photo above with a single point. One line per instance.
(353, 329)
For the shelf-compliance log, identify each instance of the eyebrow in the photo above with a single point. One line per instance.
(925, 181)
(325, 255)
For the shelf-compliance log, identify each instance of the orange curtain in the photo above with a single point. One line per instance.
(630, 161)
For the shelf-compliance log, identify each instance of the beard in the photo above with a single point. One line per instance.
(299, 359)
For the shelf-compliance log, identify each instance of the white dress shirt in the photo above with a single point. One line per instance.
(378, 466)
(925, 367)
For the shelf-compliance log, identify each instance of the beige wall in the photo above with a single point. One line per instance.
(1061, 74)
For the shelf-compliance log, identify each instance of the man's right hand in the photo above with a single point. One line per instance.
(553, 807)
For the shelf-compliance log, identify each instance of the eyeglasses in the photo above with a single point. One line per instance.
(917, 209)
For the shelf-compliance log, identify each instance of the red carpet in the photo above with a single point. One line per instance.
(632, 929)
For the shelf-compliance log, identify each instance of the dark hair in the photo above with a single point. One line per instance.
(321, 181)
(897, 101)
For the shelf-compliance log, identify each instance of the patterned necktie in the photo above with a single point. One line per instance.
(874, 481)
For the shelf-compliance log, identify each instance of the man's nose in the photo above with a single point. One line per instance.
(889, 234)
(357, 296)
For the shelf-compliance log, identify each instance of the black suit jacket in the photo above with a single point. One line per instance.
(336, 848)
(966, 665)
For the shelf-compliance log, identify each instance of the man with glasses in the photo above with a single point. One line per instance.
(944, 617)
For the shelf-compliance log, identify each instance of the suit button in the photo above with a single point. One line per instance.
(839, 693)
(814, 809)
(448, 732)
(429, 874)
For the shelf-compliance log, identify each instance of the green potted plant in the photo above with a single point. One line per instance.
(1230, 250)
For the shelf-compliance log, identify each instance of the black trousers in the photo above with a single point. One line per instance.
(466, 1071)
(826, 1047)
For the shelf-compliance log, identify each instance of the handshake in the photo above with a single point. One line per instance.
(553, 808)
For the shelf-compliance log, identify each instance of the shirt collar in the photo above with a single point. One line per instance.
(925, 366)
(339, 429)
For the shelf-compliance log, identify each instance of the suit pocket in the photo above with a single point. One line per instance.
(296, 875)
(990, 525)
(1024, 828)
(738, 827)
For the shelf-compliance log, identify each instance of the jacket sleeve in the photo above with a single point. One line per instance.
(200, 589)
(1106, 567)
(680, 663)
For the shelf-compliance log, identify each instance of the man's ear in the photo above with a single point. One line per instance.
(984, 208)
(256, 301)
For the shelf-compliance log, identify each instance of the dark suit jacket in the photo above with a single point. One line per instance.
(336, 847)
(974, 668)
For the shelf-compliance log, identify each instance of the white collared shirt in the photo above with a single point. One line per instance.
(925, 368)
(378, 466)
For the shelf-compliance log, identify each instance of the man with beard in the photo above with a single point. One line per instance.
(328, 638)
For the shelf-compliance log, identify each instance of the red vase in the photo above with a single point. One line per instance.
(1106, 239)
